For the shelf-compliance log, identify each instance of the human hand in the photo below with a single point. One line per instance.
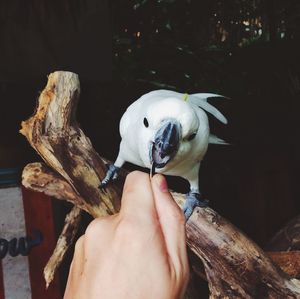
(138, 253)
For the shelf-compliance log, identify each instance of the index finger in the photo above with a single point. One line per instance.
(137, 198)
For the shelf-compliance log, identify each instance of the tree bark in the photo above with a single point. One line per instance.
(235, 266)
(65, 239)
(288, 238)
(288, 261)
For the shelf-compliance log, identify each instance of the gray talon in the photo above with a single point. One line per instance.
(193, 200)
(111, 175)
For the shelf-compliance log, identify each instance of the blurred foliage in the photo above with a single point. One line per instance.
(188, 44)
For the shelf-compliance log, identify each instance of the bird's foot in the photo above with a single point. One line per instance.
(193, 200)
(111, 175)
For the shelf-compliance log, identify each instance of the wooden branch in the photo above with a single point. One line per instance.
(288, 261)
(64, 241)
(235, 266)
(288, 238)
(286, 243)
(38, 177)
(54, 133)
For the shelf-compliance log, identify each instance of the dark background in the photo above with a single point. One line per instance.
(246, 50)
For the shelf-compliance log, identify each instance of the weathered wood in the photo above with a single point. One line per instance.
(287, 238)
(64, 241)
(235, 266)
(54, 133)
(288, 261)
(38, 177)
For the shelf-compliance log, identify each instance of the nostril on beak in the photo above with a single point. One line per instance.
(160, 145)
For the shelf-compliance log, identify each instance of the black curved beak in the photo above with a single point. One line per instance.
(166, 143)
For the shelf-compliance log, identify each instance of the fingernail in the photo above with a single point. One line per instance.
(161, 183)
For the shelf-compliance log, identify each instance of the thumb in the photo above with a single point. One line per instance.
(170, 216)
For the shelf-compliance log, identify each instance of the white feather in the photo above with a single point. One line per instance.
(200, 99)
(213, 139)
(204, 96)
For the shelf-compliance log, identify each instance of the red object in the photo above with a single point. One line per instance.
(39, 216)
(1, 282)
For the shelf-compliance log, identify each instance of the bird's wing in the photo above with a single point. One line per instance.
(200, 99)
(213, 139)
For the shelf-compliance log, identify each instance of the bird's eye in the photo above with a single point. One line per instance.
(146, 124)
(192, 136)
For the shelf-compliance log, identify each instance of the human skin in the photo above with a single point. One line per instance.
(138, 253)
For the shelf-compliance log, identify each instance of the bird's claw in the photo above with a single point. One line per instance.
(193, 200)
(111, 175)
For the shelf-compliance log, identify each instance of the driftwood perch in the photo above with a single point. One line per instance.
(235, 266)
(288, 238)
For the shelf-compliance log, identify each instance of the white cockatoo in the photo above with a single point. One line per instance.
(168, 132)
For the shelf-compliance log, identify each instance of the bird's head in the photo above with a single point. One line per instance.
(170, 127)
